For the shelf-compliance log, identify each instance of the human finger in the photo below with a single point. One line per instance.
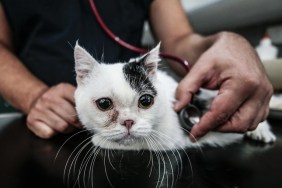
(66, 110)
(60, 100)
(67, 91)
(247, 117)
(222, 108)
(50, 119)
(56, 122)
(70, 114)
(43, 111)
(41, 130)
(188, 86)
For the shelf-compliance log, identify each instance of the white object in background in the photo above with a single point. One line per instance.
(191, 5)
(266, 50)
(276, 102)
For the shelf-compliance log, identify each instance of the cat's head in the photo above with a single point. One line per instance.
(119, 102)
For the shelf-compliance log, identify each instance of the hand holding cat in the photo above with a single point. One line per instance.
(53, 112)
(231, 66)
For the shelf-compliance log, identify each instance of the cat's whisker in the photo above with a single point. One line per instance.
(91, 168)
(198, 146)
(148, 141)
(111, 162)
(165, 171)
(74, 162)
(92, 156)
(106, 172)
(68, 160)
(84, 166)
(91, 171)
(152, 145)
(151, 161)
(161, 157)
(171, 166)
(178, 167)
(160, 135)
(151, 157)
(82, 131)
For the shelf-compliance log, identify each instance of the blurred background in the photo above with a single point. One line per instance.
(250, 18)
(259, 21)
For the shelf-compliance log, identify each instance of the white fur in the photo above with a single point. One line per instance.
(262, 133)
(158, 124)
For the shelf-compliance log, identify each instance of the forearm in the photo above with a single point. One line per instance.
(190, 48)
(17, 85)
(172, 28)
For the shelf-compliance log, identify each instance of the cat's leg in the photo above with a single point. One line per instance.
(262, 133)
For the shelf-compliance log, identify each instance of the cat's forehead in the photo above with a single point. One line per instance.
(122, 82)
(137, 77)
(110, 82)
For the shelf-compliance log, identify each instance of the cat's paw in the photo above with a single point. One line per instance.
(262, 133)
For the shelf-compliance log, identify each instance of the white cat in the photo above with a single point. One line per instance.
(129, 106)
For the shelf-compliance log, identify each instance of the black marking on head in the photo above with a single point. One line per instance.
(137, 76)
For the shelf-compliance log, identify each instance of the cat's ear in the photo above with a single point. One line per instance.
(152, 59)
(84, 63)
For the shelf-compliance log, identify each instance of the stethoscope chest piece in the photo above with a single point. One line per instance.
(189, 116)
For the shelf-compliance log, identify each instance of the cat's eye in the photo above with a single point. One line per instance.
(146, 101)
(104, 104)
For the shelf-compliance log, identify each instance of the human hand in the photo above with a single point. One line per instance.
(53, 112)
(231, 66)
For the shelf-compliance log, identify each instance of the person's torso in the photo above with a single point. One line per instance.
(45, 32)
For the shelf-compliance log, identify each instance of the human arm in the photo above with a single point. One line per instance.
(224, 61)
(27, 93)
(17, 85)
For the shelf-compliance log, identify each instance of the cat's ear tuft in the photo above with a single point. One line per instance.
(84, 63)
(152, 59)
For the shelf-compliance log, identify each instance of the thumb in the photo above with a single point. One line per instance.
(188, 86)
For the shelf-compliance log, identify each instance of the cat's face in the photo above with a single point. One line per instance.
(119, 102)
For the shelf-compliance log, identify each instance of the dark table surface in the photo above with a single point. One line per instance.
(71, 161)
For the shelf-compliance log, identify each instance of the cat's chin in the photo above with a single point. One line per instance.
(127, 143)
(128, 140)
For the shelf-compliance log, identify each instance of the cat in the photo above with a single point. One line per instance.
(129, 106)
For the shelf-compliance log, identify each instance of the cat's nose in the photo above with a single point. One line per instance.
(128, 123)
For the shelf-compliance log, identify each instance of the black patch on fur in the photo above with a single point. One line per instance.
(137, 76)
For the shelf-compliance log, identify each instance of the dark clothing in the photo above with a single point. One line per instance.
(45, 32)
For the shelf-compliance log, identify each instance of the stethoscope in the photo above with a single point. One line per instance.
(190, 115)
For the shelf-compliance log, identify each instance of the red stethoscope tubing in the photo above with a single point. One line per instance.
(121, 42)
